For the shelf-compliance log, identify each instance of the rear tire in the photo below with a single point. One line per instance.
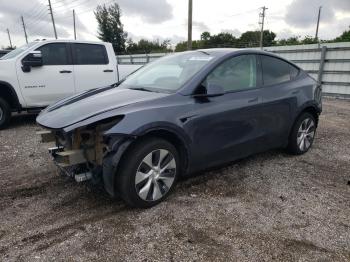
(302, 134)
(148, 172)
(5, 113)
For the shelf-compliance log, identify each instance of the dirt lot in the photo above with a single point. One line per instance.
(271, 206)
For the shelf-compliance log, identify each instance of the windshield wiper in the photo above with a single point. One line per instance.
(141, 89)
(203, 52)
(118, 83)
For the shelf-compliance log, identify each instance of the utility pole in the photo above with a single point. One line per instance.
(53, 20)
(75, 32)
(24, 29)
(189, 38)
(262, 15)
(8, 33)
(318, 22)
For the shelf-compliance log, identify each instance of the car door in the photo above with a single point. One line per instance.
(278, 98)
(92, 67)
(227, 127)
(50, 82)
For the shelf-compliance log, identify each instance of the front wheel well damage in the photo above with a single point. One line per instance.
(112, 161)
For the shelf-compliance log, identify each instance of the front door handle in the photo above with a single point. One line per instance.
(253, 100)
(108, 70)
(65, 71)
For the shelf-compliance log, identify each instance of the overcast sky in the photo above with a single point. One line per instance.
(167, 19)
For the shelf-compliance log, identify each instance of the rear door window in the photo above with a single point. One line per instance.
(274, 70)
(90, 54)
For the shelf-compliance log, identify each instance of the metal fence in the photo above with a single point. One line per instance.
(329, 63)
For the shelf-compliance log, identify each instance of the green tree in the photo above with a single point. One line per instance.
(205, 36)
(344, 37)
(110, 28)
(252, 38)
(294, 40)
(196, 44)
(222, 40)
(145, 46)
(308, 40)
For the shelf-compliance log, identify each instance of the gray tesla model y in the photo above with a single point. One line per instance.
(181, 114)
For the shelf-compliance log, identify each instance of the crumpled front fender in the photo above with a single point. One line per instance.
(111, 163)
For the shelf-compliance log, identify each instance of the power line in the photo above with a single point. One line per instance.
(89, 9)
(70, 6)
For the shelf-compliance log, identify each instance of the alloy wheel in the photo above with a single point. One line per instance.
(306, 134)
(155, 175)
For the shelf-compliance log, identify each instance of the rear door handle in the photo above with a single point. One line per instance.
(253, 100)
(65, 71)
(108, 70)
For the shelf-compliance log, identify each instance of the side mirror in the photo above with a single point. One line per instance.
(210, 90)
(33, 59)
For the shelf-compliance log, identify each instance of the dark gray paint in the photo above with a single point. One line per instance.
(214, 130)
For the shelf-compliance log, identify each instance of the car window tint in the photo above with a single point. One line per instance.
(54, 54)
(293, 72)
(274, 70)
(90, 54)
(235, 74)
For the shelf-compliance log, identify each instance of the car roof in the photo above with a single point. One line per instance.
(224, 51)
(220, 52)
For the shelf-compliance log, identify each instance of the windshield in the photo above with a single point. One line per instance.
(169, 73)
(17, 51)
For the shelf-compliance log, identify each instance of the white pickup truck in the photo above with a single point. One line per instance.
(42, 72)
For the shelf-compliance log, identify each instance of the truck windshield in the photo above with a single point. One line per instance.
(168, 74)
(17, 51)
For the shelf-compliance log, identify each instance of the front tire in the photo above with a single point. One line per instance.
(148, 172)
(5, 113)
(303, 134)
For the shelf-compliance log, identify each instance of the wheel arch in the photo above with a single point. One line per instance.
(311, 109)
(8, 93)
(172, 137)
(112, 162)
(308, 108)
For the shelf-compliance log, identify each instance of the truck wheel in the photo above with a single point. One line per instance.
(148, 172)
(302, 135)
(5, 113)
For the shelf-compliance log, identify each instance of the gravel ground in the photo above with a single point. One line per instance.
(270, 206)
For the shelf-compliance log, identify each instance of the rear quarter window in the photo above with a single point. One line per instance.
(275, 70)
(294, 71)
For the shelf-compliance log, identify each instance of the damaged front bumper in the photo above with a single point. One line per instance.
(87, 155)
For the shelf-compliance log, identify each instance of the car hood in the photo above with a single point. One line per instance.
(91, 103)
